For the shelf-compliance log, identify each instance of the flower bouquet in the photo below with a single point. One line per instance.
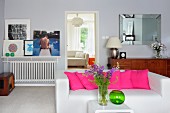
(158, 47)
(102, 80)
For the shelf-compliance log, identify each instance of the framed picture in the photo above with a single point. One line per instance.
(13, 46)
(122, 55)
(46, 43)
(28, 47)
(17, 29)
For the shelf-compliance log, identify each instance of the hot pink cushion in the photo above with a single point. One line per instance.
(140, 79)
(74, 81)
(115, 81)
(125, 80)
(87, 81)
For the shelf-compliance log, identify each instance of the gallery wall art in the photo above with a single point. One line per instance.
(28, 47)
(46, 43)
(13, 46)
(17, 29)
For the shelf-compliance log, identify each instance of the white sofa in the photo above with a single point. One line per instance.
(156, 100)
(81, 59)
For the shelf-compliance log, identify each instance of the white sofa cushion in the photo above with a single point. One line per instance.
(72, 53)
(73, 58)
(79, 55)
(134, 98)
(129, 93)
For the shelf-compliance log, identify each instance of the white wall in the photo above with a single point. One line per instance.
(2, 4)
(50, 15)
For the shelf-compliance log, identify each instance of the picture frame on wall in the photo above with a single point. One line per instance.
(46, 43)
(17, 29)
(28, 47)
(13, 46)
(122, 55)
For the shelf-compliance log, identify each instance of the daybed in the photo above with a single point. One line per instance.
(77, 58)
(156, 100)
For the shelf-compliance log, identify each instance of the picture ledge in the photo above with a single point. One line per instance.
(31, 57)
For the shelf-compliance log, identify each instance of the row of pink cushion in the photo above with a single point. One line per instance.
(129, 79)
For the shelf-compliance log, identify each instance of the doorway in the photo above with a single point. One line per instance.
(81, 36)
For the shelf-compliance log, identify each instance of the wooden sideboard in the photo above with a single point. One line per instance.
(160, 66)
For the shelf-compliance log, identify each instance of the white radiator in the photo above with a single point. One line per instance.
(33, 71)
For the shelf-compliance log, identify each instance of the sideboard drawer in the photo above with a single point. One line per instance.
(159, 66)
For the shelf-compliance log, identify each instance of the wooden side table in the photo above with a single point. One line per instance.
(7, 83)
(94, 107)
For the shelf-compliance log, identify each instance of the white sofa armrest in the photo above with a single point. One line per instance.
(62, 90)
(161, 84)
(87, 58)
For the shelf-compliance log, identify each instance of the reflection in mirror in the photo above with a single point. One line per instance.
(139, 28)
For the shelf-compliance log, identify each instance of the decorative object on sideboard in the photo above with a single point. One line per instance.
(77, 21)
(117, 97)
(122, 55)
(114, 43)
(102, 80)
(158, 47)
(117, 66)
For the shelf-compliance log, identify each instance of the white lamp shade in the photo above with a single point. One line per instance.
(113, 42)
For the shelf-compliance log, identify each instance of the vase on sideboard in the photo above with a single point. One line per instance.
(158, 54)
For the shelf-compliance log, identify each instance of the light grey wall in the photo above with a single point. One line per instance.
(2, 4)
(50, 14)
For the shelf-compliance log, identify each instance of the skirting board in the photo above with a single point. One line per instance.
(34, 84)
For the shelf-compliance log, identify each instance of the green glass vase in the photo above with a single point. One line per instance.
(117, 97)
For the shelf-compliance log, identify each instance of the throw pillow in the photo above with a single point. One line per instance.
(82, 55)
(115, 80)
(125, 80)
(79, 55)
(74, 81)
(87, 81)
(140, 79)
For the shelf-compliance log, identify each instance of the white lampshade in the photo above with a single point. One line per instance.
(113, 42)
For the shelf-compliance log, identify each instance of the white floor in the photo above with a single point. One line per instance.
(29, 99)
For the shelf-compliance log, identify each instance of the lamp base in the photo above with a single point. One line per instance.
(114, 53)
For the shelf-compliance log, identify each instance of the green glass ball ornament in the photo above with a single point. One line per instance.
(117, 97)
(12, 54)
(7, 54)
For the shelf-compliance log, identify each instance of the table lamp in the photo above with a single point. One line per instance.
(113, 43)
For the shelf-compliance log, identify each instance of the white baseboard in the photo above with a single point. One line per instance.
(35, 84)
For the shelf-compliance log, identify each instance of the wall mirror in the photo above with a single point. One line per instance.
(142, 29)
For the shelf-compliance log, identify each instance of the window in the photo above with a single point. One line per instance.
(83, 41)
